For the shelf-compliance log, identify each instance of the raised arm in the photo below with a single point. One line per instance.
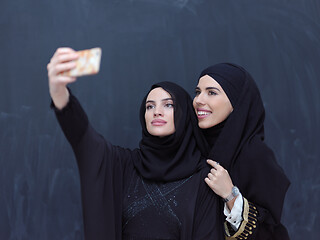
(101, 165)
(62, 60)
(71, 117)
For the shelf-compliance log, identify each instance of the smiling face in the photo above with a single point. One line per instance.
(211, 103)
(159, 114)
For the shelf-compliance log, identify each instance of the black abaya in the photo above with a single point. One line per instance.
(240, 148)
(120, 202)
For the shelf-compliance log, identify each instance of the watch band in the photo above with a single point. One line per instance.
(234, 192)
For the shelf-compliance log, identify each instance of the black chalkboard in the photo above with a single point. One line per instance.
(146, 41)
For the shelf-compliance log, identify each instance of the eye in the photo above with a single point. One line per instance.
(148, 107)
(212, 93)
(169, 105)
(197, 92)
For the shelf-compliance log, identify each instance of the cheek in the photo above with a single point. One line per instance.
(194, 103)
(147, 117)
(228, 107)
(225, 111)
(171, 117)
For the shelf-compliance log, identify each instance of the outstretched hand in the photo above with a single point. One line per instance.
(62, 60)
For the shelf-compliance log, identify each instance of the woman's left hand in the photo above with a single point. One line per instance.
(219, 179)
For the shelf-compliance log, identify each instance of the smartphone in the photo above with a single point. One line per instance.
(88, 63)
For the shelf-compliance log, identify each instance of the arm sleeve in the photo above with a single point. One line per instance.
(72, 119)
(90, 147)
(263, 200)
(234, 217)
(254, 226)
(248, 225)
(102, 167)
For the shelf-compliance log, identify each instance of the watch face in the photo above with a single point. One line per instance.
(235, 191)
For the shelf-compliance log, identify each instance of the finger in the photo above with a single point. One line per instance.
(59, 68)
(214, 164)
(207, 180)
(211, 176)
(64, 58)
(210, 162)
(63, 50)
(67, 79)
(217, 165)
(213, 171)
(60, 51)
(210, 184)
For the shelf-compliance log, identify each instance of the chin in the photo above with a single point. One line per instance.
(159, 133)
(205, 125)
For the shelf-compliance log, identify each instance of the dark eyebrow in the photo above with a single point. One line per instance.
(165, 99)
(209, 88)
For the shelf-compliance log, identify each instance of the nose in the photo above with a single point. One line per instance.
(199, 100)
(157, 112)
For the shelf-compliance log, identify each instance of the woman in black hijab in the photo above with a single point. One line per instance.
(154, 192)
(245, 173)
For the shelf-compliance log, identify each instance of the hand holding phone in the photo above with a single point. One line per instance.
(88, 63)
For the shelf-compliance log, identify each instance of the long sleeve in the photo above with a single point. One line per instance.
(263, 185)
(248, 224)
(234, 217)
(72, 119)
(254, 225)
(102, 168)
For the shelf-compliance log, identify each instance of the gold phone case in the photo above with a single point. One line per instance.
(88, 63)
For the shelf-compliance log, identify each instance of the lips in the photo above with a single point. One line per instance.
(158, 122)
(203, 113)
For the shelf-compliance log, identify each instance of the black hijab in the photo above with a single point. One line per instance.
(239, 146)
(175, 156)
